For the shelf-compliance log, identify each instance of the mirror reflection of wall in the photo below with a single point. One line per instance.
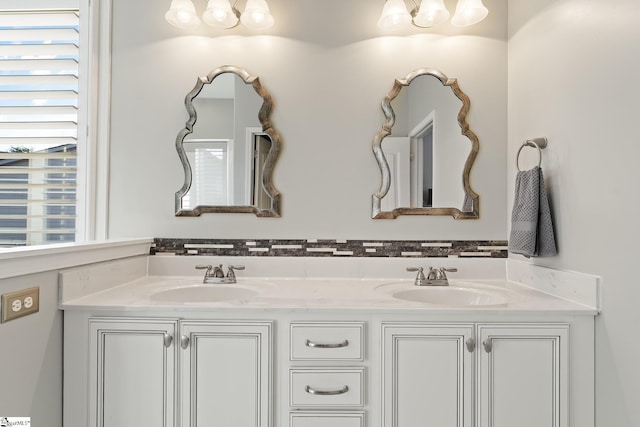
(228, 147)
(428, 149)
(427, 123)
(226, 108)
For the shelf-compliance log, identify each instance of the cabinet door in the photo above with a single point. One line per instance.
(132, 366)
(226, 374)
(427, 375)
(523, 375)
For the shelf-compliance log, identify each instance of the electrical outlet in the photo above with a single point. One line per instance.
(20, 303)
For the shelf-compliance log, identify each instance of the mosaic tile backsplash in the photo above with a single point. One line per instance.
(331, 248)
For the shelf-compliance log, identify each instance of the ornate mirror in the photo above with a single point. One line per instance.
(228, 158)
(425, 149)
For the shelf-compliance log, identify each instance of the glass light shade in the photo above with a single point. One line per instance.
(220, 14)
(431, 13)
(394, 15)
(182, 14)
(256, 15)
(469, 12)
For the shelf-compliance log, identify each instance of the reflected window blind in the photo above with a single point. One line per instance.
(210, 170)
(39, 53)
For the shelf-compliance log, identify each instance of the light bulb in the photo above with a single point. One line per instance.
(469, 12)
(394, 15)
(431, 13)
(220, 14)
(256, 15)
(182, 14)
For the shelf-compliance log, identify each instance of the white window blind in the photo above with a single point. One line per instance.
(39, 53)
(210, 170)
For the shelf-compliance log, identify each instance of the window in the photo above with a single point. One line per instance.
(39, 62)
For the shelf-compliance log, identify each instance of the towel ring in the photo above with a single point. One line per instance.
(538, 143)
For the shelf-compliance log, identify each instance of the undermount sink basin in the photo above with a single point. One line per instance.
(452, 296)
(204, 293)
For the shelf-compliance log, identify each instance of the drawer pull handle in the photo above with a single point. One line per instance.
(319, 345)
(310, 390)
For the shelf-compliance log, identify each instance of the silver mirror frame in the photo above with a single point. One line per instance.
(264, 116)
(470, 208)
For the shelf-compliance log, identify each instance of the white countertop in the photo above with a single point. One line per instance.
(292, 294)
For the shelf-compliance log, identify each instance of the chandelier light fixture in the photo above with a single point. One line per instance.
(430, 13)
(220, 14)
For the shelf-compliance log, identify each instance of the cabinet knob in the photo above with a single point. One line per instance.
(488, 345)
(168, 339)
(471, 345)
(184, 342)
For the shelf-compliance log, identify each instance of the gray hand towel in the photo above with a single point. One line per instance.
(531, 224)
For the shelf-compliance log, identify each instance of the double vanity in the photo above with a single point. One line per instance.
(146, 348)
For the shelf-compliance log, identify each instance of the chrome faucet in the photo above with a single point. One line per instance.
(216, 274)
(434, 277)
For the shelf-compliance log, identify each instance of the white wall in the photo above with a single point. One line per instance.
(31, 355)
(31, 348)
(573, 77)
(328, 67)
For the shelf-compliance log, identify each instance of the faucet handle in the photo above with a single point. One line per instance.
(441, 273)
(207, 274)
(420, 279)
(231, 272)
(444, 271)
(420, 271)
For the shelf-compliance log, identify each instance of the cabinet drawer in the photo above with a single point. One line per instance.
(327, 341)
(326, 419)
(326, 387)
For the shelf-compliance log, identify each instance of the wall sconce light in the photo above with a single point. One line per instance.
(469, 12)
(430, 13)
(220, 14)
(182, 14)
(394, 15)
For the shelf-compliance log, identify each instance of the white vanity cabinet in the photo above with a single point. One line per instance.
(332, 368)
(170, 372)
(226, 374)
(133, 365)
(523, 375)
(435, 374)
(427, 374)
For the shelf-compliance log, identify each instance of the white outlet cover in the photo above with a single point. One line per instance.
(16, 305)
